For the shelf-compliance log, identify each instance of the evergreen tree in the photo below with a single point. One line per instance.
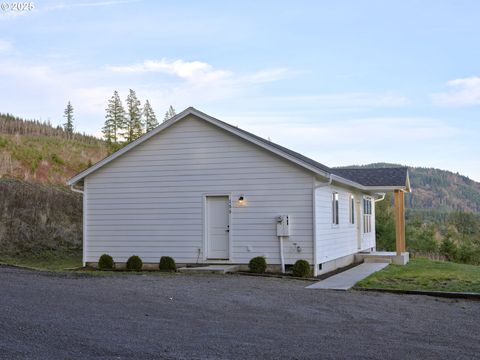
(169, 114)
(150, 118)
(114, 119)
(68, 115)
(134, 124)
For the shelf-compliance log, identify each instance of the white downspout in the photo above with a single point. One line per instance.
(76, 190)
(314, 202)
(380, 198)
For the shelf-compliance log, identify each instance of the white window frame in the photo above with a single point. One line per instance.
(367, 214)
(351, 207)
(335, 209)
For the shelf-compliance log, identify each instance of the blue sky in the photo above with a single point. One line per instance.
(344, 82)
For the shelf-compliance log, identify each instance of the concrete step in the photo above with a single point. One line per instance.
(210, 269)
(401, 259)
(377, 260)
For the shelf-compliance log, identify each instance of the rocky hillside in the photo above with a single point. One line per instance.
(439, 190)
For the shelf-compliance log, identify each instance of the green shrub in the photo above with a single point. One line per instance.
(167, 264)
(301, 268)
(468, 252)
(258, 265)
(422, 239)
(448, 249)
(134, 263)
(106, 262)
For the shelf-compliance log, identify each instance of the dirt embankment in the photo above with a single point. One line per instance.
(36, 218)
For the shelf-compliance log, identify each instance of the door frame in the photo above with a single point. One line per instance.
(359, 218)
(205, 225)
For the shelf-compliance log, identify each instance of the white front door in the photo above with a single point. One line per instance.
(217, 227)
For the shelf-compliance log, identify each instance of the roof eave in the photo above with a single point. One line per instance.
(386, 188)
(347, 182)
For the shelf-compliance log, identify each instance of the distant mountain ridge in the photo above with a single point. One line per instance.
(435, 189)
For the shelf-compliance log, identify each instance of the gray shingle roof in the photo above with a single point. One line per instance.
(375, 176)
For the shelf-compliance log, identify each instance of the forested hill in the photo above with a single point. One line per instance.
(441, 190)
(37, 151)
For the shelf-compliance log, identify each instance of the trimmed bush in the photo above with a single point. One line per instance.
(301, 268)
(106, 262)
(134, 263)
(258, 265)
(167, 264)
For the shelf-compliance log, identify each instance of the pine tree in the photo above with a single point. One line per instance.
(150, 118)
(169, 114)
(114, 119)
(68, 115)
(134, 128)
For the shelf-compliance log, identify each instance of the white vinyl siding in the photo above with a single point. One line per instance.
(149, 201)
(335, 241)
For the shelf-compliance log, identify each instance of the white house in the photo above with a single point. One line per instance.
(202, 191)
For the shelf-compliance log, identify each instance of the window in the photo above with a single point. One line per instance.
(335, 208)
(367, 215)
(351, 205)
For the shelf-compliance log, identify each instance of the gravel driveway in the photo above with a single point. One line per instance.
(69, 316)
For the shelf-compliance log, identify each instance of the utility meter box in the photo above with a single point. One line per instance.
(283, 225)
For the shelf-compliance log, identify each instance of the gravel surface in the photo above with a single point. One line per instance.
(175, 316)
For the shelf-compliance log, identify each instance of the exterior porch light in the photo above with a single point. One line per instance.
(241, 200)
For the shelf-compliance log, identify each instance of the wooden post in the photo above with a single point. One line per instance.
(399, 206)
(402, 219)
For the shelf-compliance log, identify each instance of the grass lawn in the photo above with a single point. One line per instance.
(61, 261)
(423, 274)
(48, 261)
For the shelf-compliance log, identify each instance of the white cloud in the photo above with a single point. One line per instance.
(267, 75)
(193, 83)
(462, 92)
(5, 46)
(351, 101)
(362, 131)
(199, 72)
(180, 68)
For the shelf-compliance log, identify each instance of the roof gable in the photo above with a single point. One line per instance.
(297, 158)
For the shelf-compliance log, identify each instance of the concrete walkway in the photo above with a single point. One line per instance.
(214, 269)
(345, 280)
